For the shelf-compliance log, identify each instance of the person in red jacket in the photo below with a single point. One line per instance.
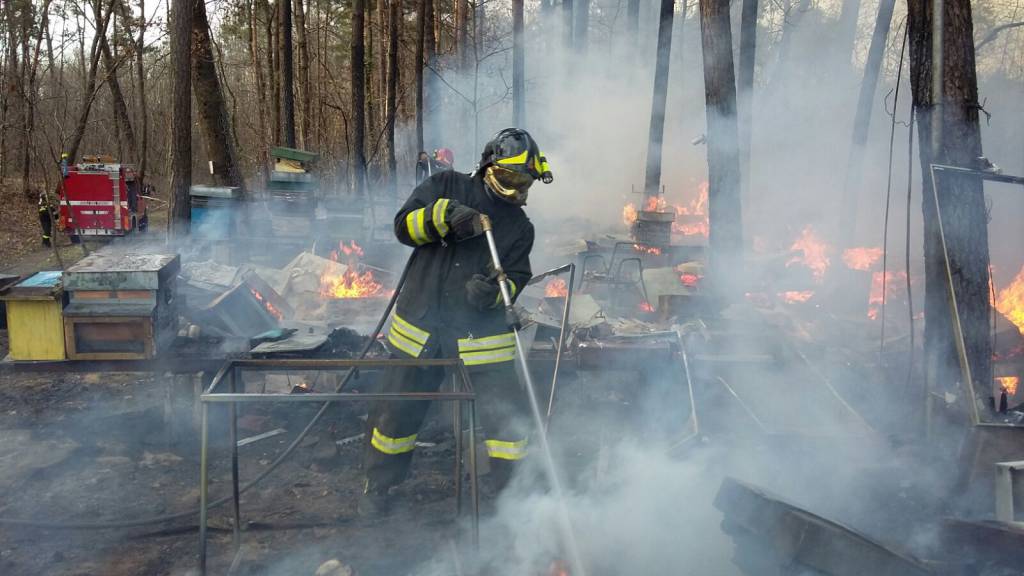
(451, 307)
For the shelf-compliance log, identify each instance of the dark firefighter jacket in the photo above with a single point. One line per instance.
(434, 295)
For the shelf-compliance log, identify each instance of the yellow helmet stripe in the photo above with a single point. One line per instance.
(520, 159)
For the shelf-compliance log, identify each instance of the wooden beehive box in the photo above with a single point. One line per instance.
(121, 306)
(34, 323)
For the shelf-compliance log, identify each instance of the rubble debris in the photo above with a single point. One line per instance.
(334, 567)
(258, 437)
(152, 460)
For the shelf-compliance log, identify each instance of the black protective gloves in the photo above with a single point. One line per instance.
(482, 291)
(465, 222)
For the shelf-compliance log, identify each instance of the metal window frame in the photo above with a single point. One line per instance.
(957, 327)
(463, 394)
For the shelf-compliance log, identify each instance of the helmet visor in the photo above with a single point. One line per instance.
(509, 185)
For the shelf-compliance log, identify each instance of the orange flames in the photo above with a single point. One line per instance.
(1010, 301)
(556, 288)
(558, 568)
(796, 296)
(861, 258)
(643, 248)
(1008, 383)
(696, 212)
(699, 208)
(813, 253)
(266, 304)
(645, 306)
(349, 284)
(894, 282)
(689, 280)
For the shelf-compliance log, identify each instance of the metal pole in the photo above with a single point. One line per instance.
(233, 417)
(457, 426)
(474, 493)
(561, 345)
(203, 496)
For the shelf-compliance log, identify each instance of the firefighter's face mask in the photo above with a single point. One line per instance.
(508, 185)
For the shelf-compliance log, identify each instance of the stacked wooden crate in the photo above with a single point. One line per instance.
(121, 306)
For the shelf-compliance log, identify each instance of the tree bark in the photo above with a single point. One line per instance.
(861, 123)
(745, 84)
(725, 239)
(254, 55)
(421, 39)
(463, 16)
(568, 22)
(652, 180)
(394, 29)
(273, 67)
(284, 27)
(518, 66)
(213, 114)
(181, 117)
(582, 26)
(303, 84)
(431, 90)
(140, 73)
(949, 133)
(632, 21)
(846, 38)
(358, 97)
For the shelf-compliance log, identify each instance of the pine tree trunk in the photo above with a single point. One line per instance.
(358, 97)
(582, 26)
(421, 40)
(568, 22)
(286, 55)
(632, 21)
(861, 123)
(949, 133)
(303, 84)
(518, 66)
(431, 90)
(181, 117)
(394, 30)
(745, 84)
(140, 71)
(262, 156)
(213, 114)
(273, 67)
(652, 180)
(725, 242)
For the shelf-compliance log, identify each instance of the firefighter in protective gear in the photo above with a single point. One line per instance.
(451, 308)
(46, 218)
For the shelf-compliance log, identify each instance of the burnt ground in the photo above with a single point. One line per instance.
(93, 448)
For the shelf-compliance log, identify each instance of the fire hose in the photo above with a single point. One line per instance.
(565, 523)
(71, 525)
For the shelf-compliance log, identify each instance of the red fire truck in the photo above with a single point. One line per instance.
(101, 198)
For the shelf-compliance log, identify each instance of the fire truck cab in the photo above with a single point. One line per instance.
(100, 197)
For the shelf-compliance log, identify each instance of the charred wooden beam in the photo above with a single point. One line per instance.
(774, 537)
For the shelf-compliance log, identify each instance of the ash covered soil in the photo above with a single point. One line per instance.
(95, 448)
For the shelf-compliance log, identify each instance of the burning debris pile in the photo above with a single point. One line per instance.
(310, 294)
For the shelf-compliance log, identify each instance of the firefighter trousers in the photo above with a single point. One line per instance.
(392, 428)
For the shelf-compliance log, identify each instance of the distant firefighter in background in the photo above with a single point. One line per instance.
(427, 166)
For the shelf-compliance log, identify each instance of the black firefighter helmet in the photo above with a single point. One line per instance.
(510, 163)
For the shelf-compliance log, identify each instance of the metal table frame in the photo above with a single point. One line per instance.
(231, 371)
